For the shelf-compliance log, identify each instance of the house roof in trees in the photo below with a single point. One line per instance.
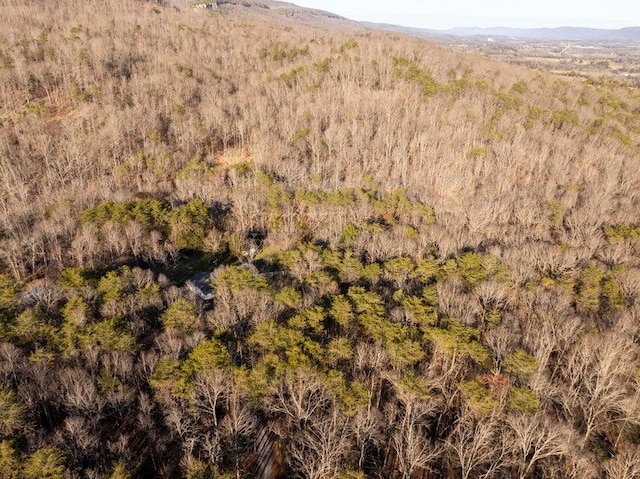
(200, 285)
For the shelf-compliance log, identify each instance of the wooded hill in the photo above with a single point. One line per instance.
(424, 264)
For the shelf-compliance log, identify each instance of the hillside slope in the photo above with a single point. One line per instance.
(423, 263)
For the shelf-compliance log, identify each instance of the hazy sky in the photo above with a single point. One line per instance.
(487, 13)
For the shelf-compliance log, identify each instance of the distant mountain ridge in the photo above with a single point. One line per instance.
(558, 33)
(628, 34)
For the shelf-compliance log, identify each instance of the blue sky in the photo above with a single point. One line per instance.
(487, 13)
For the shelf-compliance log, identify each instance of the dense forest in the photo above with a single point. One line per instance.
(238, 244)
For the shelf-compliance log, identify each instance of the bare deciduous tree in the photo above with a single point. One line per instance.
(476, 445)
(625, 465)
(598, 371)
(414, 448)
(300, 396)
(317, 451)
(209, 390)
(534, 440)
